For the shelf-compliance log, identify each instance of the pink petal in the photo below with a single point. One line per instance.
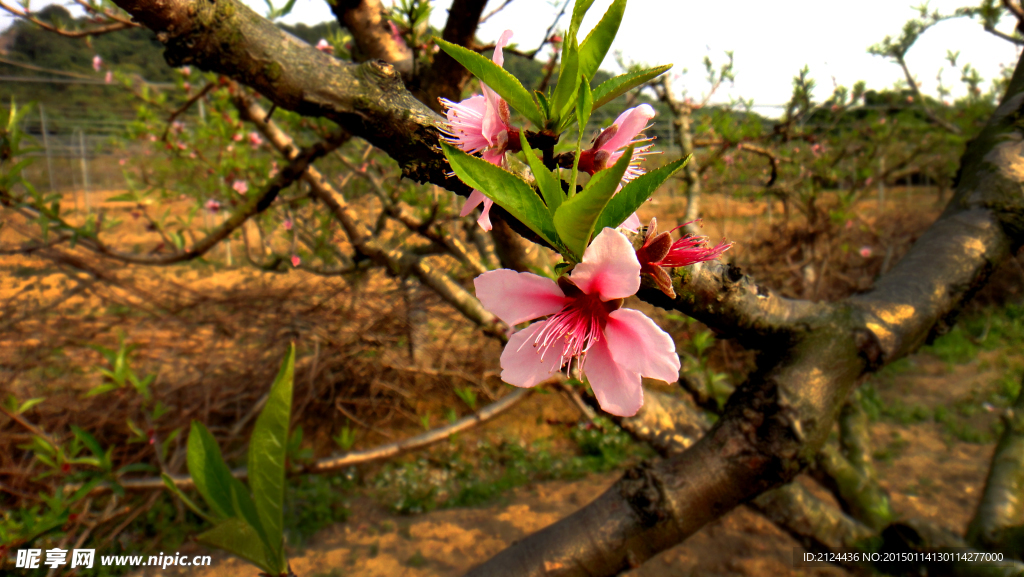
(499, 56)
(465, 120)
(521, 363)
(609, 268)
(474, 200)
(617, 389)
(641, 346)
(492, 125)
(632, 222)
(516, 297)
(631, 123)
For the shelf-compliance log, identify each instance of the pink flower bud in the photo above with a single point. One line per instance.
(865, 251)
(287, 224)
(109, 78)
(296, 261)
(97, 63)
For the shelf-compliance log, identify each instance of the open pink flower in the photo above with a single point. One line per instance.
(324, 46)
(613, 346)
(659, 252)
(255, 140)
(480, 124)
(97, 63)
(296, 261)
(240, 186)
(213, 205)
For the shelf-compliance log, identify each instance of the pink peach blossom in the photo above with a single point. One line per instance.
(240, 186)
(324, 46)
(481, 124)
(296, 261)
(255, 140)
(109, 78)
(614, 347)
(97, 63)
(287, 224)
(213, 205)
(865, 251)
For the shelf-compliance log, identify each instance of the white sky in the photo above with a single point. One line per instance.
(771, 41)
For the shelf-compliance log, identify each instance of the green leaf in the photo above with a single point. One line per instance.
(545, 107)
(548, 182)
(614, 87)
(29, 404)
(636, 193)
(209, 472)
(506, 189)
(240, 538)
(575, 219)
(267, 451)
(595, 46)
(169, 483)
(579, 10)
(584, 105)
(88, 440)
(496, 78)
(568, 80)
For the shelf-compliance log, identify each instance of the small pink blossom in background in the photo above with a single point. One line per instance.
(836, 108)
(881, 121)
(213, 205)
(185, 70)
(325, 46)
(614, 347)
(849, 224)
(728, 160)
(910, 99)
(481, 124)
(237, 137)
(868, 181)
(122, 161)
(230, 148)
(273, 169)
(178, 126)
(255, 140)
(796, 150)
(287, 224)
(182, 146)
(152, 138)
(296, 261)
(192, 155)
(865, 251)
(109, 78)
(396, 34)
(817, 149)
(187, 86)
(97, 63)
(240, 186)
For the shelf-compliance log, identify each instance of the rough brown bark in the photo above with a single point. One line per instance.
(367, 21)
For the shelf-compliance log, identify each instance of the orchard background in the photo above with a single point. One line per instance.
(167, 232)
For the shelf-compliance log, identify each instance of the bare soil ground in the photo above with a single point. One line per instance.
(928, 472)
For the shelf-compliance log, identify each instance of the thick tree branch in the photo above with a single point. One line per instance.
(447, 78)
(367, 21)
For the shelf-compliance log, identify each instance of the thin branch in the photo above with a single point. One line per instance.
(97, 31)
(184, 107)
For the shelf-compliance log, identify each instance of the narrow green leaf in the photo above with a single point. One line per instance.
(88, 440)
(209, 472)
(579, 10)
(568, 80)
(542, 101)
(584, 105)
(575, 219)
(267, 451)
(496, 78)
(595, 46)
(548, 182)
(30, 403)
(239, 538)
(614, 87)
(506, 189)
(169, 483)
(636, 193)
(245, 509)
